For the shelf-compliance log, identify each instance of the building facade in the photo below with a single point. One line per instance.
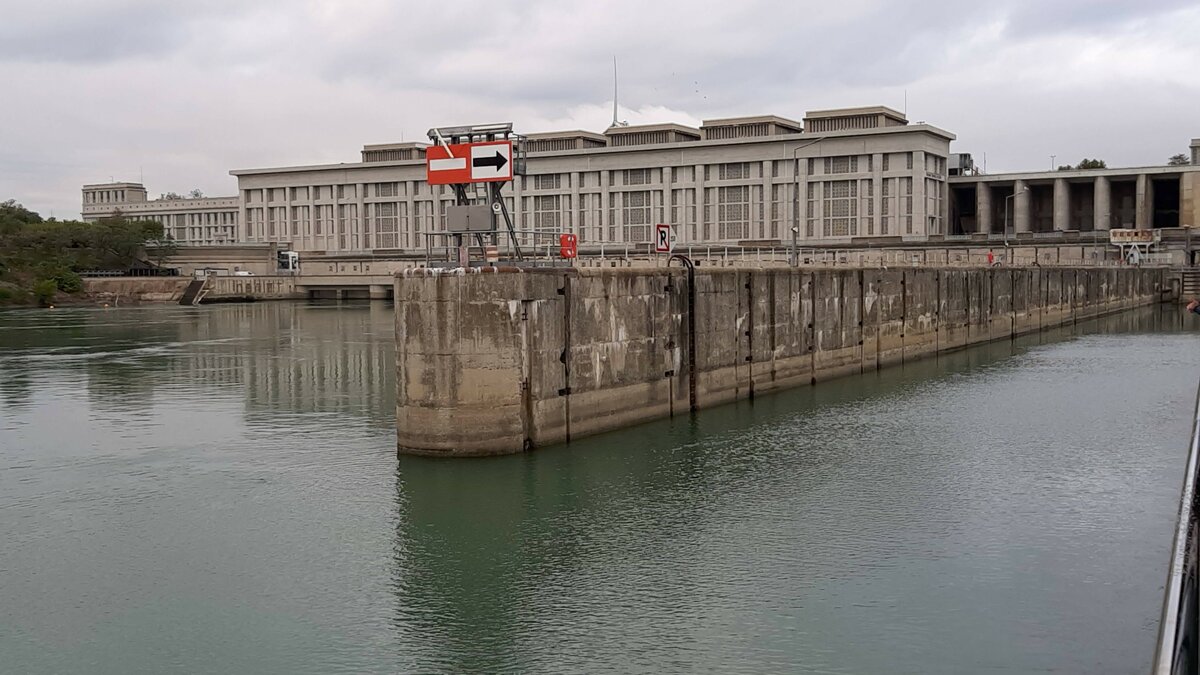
(203, 221)
(1075, 200)
(839, 176)
(866, 173)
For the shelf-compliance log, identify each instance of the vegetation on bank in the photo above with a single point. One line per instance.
(41, 259)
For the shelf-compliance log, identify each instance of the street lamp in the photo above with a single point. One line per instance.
(1018, 192)
(795, 257)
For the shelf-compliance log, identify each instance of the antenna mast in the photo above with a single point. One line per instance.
(614, 122)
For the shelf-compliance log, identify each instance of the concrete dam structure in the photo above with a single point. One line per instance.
(499, 361)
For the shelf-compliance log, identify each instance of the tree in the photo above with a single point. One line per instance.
(160, 245)
(1085, 163)
(1178, 160)
(44, 291)
(13, 216)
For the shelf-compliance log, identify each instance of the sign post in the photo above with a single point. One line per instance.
(464, 156)
(662, 238)
(464, 163)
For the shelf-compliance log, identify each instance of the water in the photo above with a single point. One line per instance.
(215, 490)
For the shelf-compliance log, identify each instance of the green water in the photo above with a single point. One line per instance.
(216, 490)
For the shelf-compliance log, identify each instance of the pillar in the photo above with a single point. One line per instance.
(1143, 205)
(1062, 205)
(983, 208)
(1189, 200)
(1102, 204)
(1020, 207)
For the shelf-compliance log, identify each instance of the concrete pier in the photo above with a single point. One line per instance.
(495, 362)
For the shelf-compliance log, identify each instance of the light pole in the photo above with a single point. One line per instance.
(1014, 194)
(794, 256)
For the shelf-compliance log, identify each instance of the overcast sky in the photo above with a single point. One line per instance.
(179, 93)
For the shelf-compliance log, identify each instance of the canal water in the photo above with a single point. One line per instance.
(216, 490)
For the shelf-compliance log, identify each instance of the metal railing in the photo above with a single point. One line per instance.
(1176, 652)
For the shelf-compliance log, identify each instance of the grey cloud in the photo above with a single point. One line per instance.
(98, 32)
(190, 90)
(1038, 17)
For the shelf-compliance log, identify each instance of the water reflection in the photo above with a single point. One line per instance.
(772, 535)
(288, 359)
(216, 489)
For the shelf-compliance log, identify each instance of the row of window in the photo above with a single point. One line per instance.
(591, 179)
(835, 208)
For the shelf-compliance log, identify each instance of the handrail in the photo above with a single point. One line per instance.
(1176, 651)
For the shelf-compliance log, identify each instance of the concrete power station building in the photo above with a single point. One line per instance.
(841, 176)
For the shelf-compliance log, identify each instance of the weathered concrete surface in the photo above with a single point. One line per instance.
(225, 289)
(133, 290)
(493, 362)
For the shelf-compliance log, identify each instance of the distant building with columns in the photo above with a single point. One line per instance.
(1076, 200)
(198, 221)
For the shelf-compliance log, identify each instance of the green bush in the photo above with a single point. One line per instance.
(6, 295)
(44, 291)
(68, 281)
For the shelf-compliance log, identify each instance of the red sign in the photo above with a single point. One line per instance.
(568, 246)
(662, 238)
(487, 162)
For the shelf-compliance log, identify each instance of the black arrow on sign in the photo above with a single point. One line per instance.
(498, 161)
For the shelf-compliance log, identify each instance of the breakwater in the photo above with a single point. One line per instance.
(501, 361)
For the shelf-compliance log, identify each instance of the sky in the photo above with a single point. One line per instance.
(177, 94)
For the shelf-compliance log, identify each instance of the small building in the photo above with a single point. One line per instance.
(200, 221)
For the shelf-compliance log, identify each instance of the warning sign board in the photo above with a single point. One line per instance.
(1120, 236)
(662, 238)
(487, 162)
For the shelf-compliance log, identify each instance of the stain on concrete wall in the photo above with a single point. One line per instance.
(492, 362)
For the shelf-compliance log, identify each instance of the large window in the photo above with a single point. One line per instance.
(840, 208)
(385, 224)
(547, 215)
(733, 212)
(636, 215)
(547, 182)
(841, 164)
(734, 171)
(637, 177)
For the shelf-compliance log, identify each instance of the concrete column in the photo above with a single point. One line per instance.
(1062, 205)
(919, 198)
(1143, 204)
(605, 210)
(767, 202)
(983, 208)
(379, 292)
(577, 210)
(877, 190)
(418, 242)
(1189, 200)
(358, 223)
(1020, 207)
(1102, 204)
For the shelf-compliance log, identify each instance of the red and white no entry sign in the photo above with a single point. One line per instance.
(486, 162)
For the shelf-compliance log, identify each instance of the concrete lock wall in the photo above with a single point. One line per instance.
(500, 361)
